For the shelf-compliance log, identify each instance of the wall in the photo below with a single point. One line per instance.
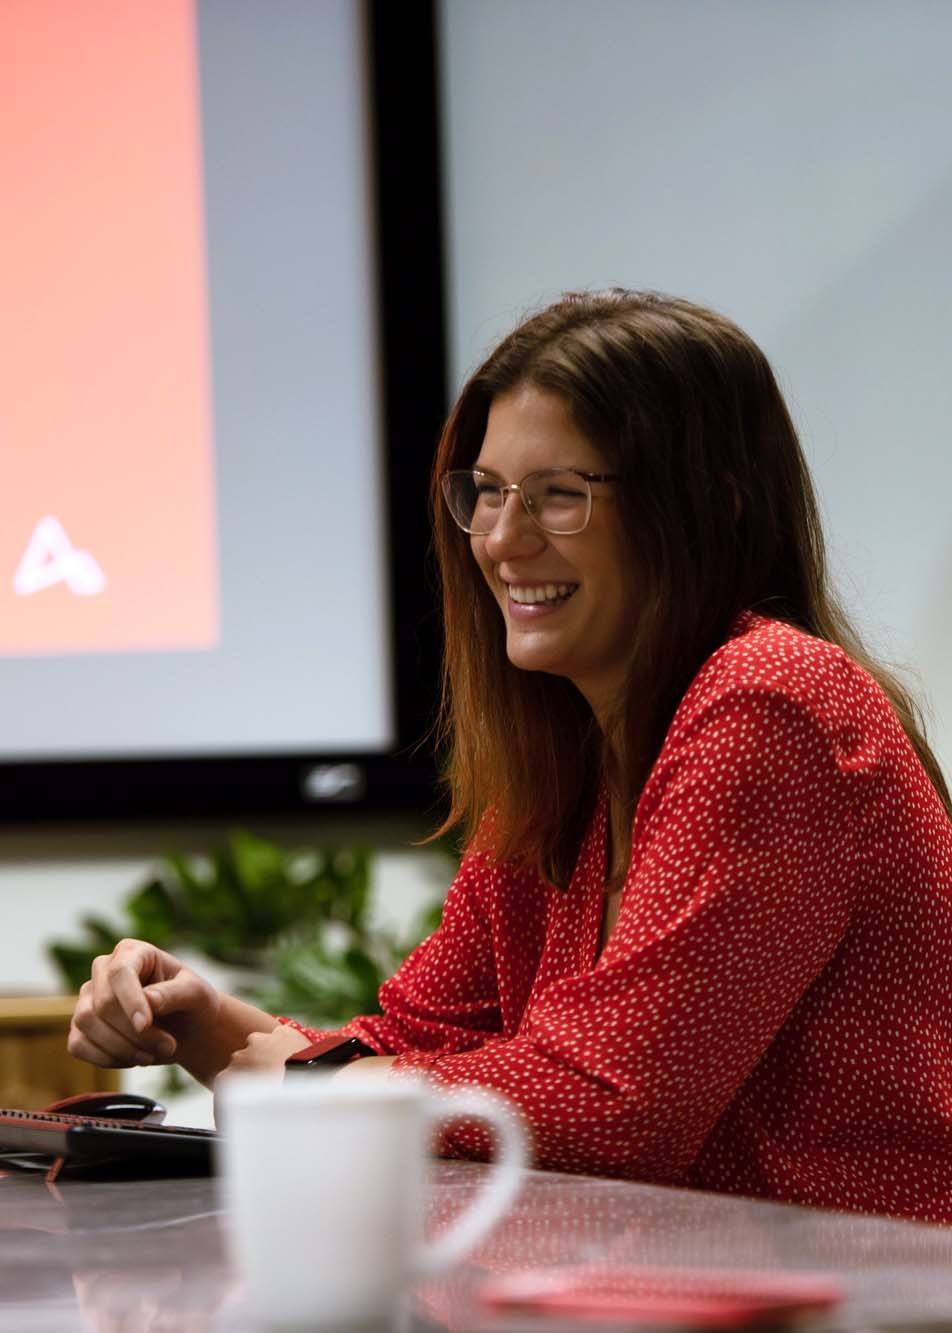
(790, 164)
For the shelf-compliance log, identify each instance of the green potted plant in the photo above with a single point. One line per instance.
(292, 928)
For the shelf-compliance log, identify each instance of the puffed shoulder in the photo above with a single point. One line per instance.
(773, 659)
(774, 683)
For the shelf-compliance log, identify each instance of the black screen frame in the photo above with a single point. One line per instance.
(402, 79)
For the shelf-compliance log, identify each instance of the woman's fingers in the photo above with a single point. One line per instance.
(182, 992)
(81, 1048)
(117, 987)
(112, 1013)
(92, 1038)
(112, 1055)
(267, 1050)
(141, 1006)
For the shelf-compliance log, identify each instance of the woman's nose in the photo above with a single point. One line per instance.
(514, 532)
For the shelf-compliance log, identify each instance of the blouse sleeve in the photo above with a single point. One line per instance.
(744, 864)
(444, 996)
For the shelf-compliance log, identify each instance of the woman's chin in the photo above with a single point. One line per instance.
(533, 657)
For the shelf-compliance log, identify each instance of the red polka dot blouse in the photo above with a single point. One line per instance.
(772, 1013)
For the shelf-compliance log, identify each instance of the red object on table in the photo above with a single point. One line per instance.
(665, 1297)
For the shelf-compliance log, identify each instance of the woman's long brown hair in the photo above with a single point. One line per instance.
(720, 515)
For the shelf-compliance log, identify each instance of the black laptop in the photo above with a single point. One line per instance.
(41, 1138)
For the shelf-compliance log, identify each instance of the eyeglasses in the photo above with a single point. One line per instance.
(558, 500)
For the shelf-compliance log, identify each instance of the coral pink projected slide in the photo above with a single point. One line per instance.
(107, 505)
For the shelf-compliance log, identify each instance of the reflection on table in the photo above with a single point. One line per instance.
(151, 1255)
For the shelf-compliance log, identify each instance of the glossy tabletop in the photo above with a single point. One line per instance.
(151, 1255)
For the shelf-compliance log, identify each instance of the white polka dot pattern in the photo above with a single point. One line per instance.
(772, 1014)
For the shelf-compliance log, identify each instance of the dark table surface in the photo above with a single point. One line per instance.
(132, 1256)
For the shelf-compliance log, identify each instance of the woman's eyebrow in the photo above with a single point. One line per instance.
(490, 472)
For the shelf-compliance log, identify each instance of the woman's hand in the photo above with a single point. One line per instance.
(263, 1053)
(371, 1066)
(266, 1052)
(136, 1007)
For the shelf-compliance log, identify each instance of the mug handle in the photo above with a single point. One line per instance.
(501, 1187)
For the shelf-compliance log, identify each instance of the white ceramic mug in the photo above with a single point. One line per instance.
(324, 1184)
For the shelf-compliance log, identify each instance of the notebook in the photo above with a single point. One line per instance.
(84, 1140)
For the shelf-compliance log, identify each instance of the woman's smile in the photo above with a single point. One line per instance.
(528, 601)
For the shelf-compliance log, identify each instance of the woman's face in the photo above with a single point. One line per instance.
(586, 635)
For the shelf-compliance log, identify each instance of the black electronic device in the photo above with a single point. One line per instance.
(136, 747)
(112, 1105)
(330, 1052)
(42, 1138)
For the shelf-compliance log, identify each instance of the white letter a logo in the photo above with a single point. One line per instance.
(50, 557)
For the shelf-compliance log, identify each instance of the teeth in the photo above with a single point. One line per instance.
(544, 592)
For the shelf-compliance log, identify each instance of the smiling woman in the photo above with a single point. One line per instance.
(710, 512)
(702, 928)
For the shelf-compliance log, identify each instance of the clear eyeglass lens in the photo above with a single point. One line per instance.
(559, 501)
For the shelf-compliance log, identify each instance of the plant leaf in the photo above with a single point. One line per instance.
(73, 962)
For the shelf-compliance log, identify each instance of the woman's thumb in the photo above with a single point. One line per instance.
(165, 996)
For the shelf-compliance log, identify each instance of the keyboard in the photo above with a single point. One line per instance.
(84, 1139)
